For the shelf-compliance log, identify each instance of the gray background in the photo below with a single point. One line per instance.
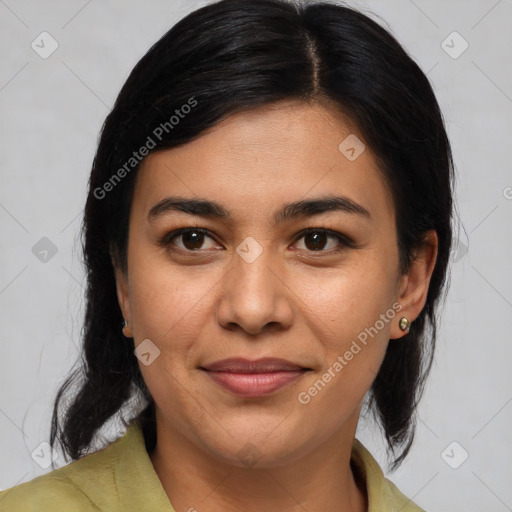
(51, 113)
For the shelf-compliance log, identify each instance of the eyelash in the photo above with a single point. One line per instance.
(344, 241)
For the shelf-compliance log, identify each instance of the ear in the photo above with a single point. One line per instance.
(123, 295)
(413, 286)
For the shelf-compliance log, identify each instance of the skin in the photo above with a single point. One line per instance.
(292, 302)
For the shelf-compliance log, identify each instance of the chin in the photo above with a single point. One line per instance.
(261, 446)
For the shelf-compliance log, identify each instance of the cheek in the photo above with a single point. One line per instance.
(352, 312)
(353, 350)
(169, 304)
(347, 301)
(170, 307)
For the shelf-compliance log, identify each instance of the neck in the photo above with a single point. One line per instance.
(196, 480)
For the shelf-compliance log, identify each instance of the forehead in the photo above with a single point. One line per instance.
(258, 159)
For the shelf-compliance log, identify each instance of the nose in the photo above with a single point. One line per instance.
(255, 297)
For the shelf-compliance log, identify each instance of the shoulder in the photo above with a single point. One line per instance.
(382, 493)
(403, 503)
(69, 487)
(51, 492)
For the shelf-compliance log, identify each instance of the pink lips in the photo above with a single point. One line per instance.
(253, 378)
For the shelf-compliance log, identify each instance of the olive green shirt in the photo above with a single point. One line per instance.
(121, 478)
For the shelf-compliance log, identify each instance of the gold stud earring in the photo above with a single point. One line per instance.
(125, 329)
(404, 324)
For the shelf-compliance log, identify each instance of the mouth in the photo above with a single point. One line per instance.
(252, 379)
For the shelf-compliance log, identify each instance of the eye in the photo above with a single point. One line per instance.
(188, 239)
(314, 240)
(317, 239)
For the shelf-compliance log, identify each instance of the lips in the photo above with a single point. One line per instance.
(263, 365)
(252, 379)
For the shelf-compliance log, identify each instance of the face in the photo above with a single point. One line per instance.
(249, 278)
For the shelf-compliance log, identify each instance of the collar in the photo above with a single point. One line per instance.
(133, 484)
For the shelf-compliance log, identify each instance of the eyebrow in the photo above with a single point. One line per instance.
(297, 209)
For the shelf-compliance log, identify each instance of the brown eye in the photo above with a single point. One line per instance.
(324, 240)
(188, 239)
(192, 239)
(315, 241)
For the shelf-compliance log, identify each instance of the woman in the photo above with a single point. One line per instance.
(266, 236)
